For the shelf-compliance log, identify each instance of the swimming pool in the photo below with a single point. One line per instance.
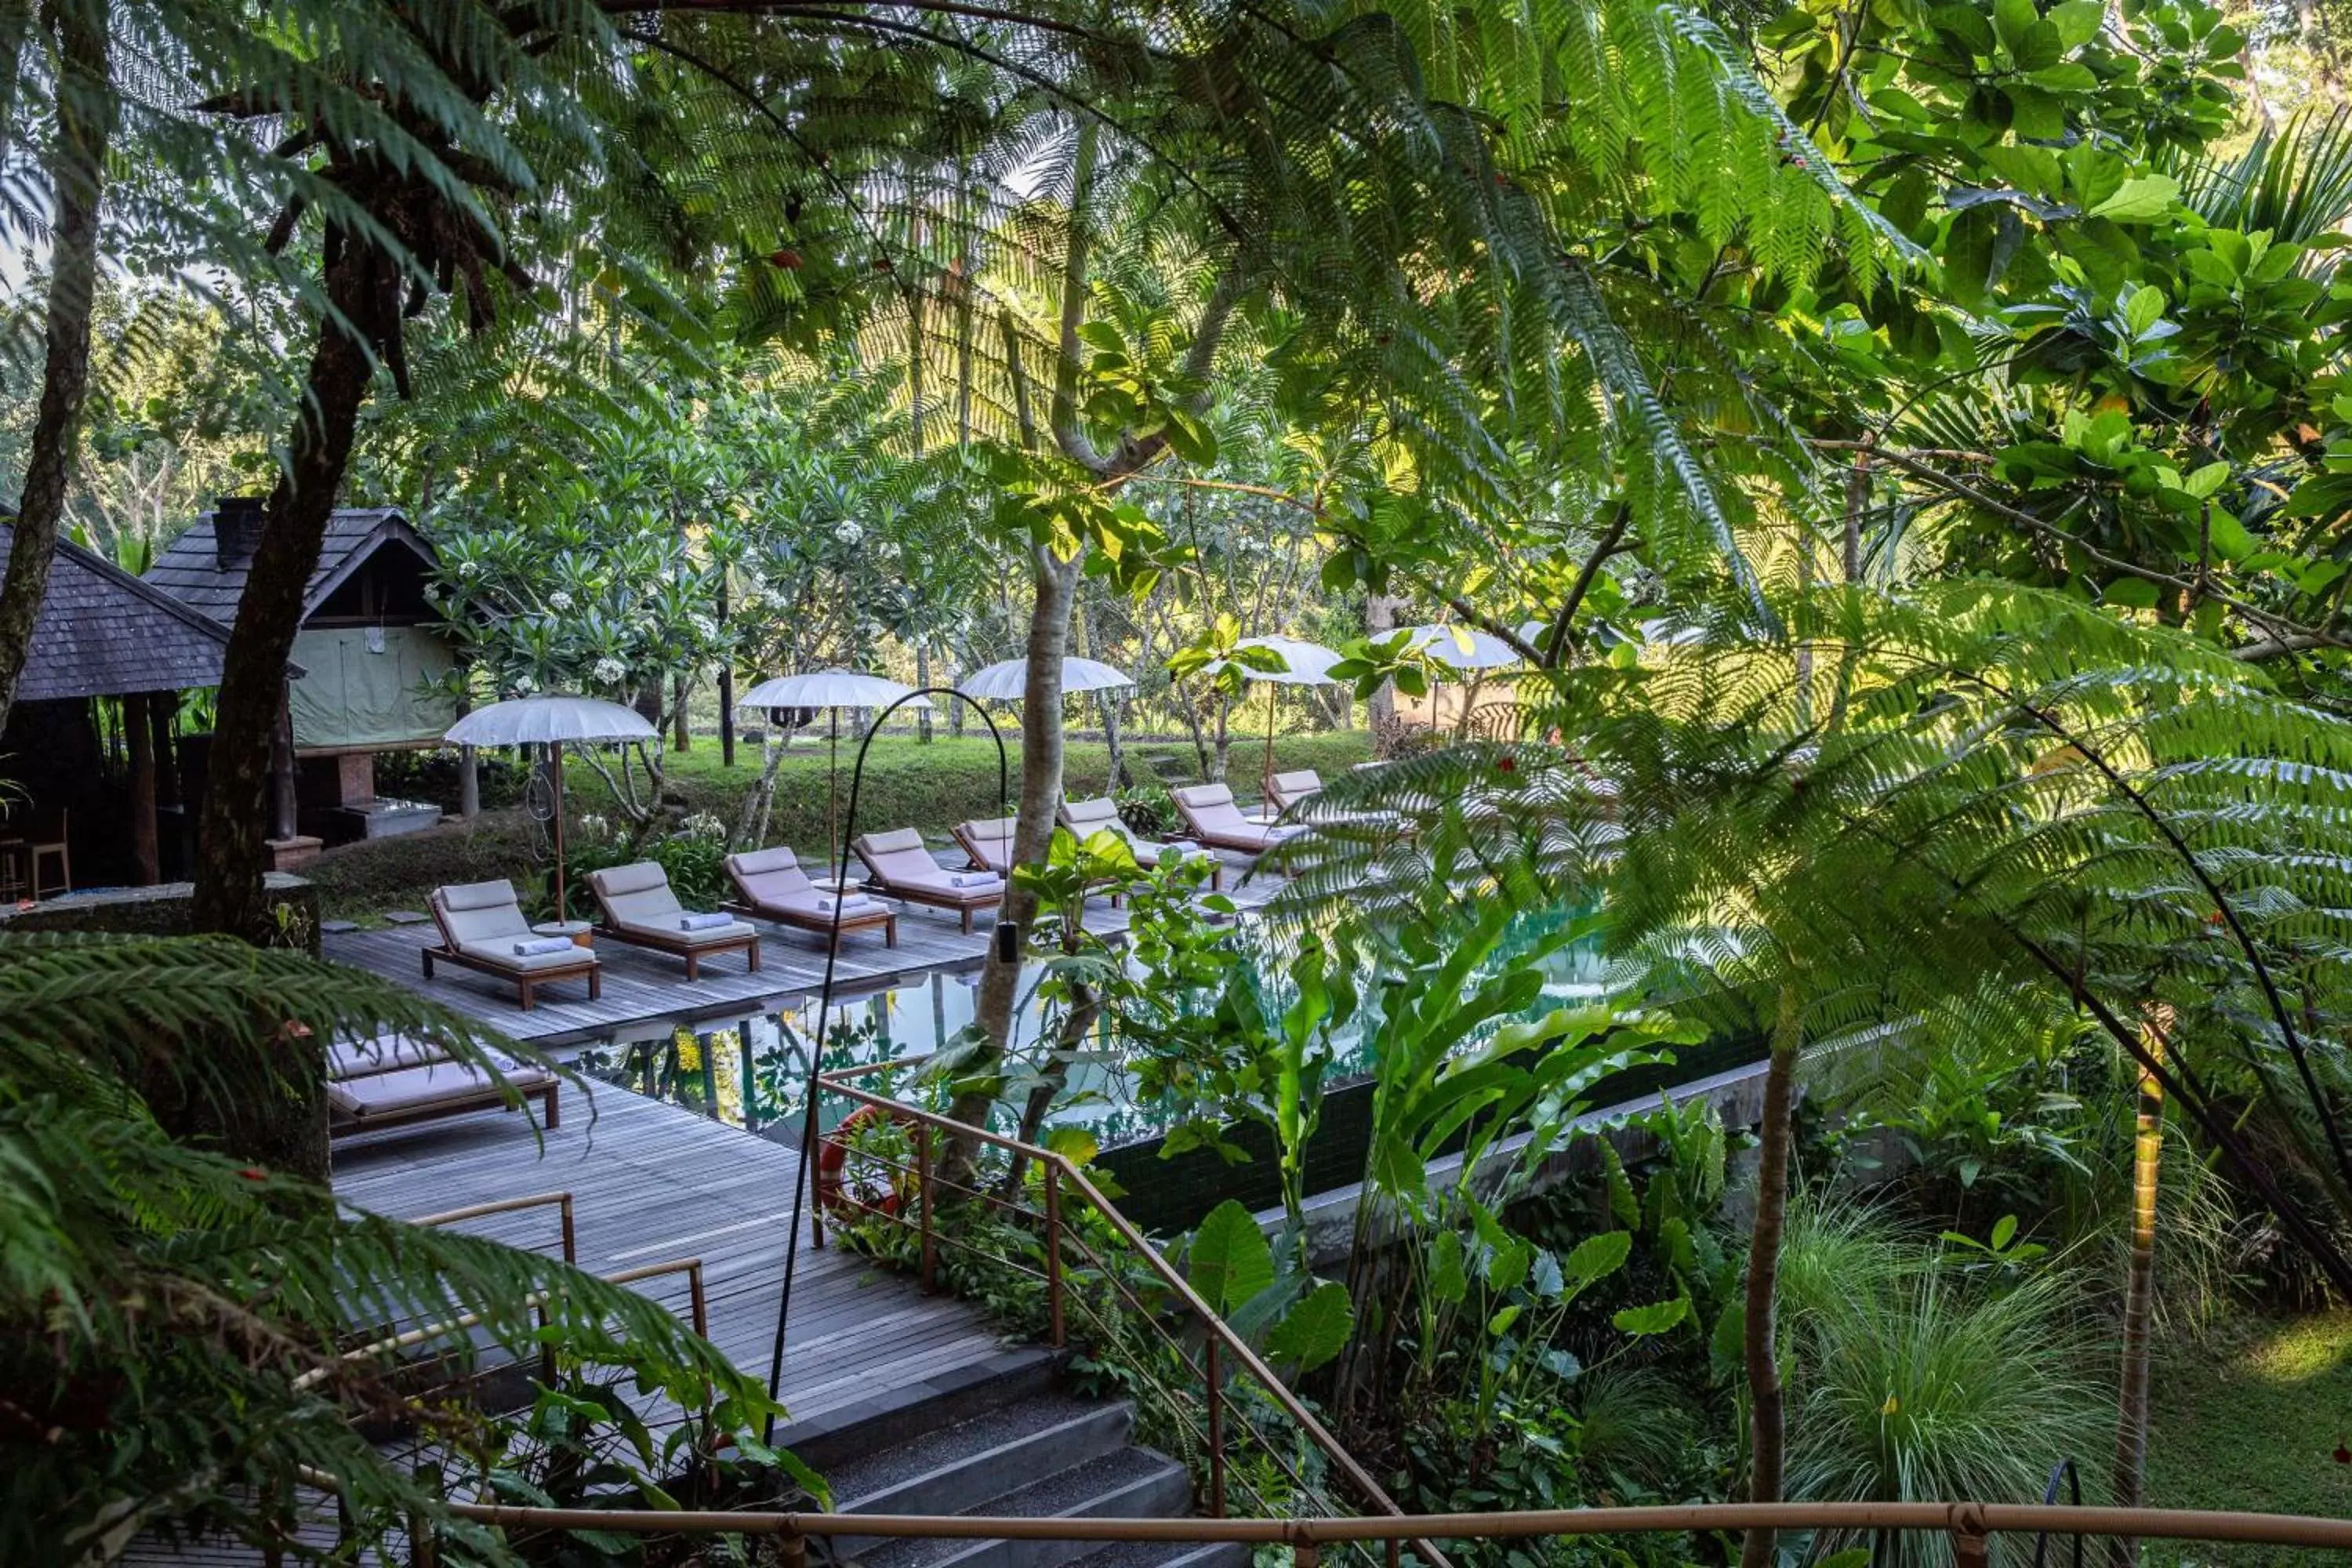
(752, 1073)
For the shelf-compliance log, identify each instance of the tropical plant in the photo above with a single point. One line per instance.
(1920, 1382)
(153, 1282)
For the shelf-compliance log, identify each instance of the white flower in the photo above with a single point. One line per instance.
(470, 568)
(703, 825)
(704, 626)
(848, 533)
(609, 671)
(559, 600)
(525, 685)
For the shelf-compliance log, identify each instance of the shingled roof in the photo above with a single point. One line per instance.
(103, 632)
(191, 569)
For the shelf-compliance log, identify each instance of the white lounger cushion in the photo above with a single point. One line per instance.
(1211, 810)
(994, 837)
(481, 915)
(383, 1053)
(1291, 788)
(638, 898)
(410, 1089)
(771, 876)
(897, 860)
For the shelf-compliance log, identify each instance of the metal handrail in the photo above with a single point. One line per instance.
(1059, 1170)
(562, 1201)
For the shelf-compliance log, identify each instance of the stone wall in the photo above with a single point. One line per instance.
(159, 910)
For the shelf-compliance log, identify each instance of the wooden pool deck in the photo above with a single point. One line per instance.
(642, 989)
(652, 1183)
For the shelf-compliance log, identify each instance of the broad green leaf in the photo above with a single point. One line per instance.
(1230, 1260)
(2077, 22)
(2139, 199)
(1448, 1280)
(1598, 1256)
(2003, 1229)
(1654, 1319)
(1074, 1144)
(1315, 1329)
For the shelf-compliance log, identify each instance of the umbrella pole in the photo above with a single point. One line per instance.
(555, 785)
(832, 821)
(1266, 784)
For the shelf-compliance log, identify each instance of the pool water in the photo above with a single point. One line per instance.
(754, 1073)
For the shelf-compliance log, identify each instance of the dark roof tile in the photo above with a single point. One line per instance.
(190, 567)
(103, 632)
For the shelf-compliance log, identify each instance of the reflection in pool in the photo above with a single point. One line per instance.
(751, 1073)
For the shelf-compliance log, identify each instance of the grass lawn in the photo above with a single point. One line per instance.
(2250, 1418)
(906, 784)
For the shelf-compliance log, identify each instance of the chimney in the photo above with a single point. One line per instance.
(237, 529)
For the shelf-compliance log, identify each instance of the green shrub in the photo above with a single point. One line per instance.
(1917, 1381)
(378, 874)
(908, 785)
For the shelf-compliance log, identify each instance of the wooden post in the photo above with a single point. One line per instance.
(162, 707)
(923, 1197)
(726, 687)
(555, 788)
(139, 740)
(1054, 1249)
(281, 768)
(1216, 1434)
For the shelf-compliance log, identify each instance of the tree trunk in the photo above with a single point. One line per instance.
(922, 679)
(1041, 793)
(2139, 1293)
(85, 120)
(682, 738)
(1766, 1399)
(231, 855)
(726, 684)
(1380, 620)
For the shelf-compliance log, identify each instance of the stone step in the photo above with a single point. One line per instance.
(1125, 1483)
(960, 1467)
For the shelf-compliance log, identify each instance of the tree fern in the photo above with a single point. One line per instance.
(212, 1307)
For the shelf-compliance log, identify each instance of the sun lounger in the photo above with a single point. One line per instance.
(988, 842)
(1284, 790)
(897, 864)
(1088, 817)
(771, 886)
(393, 1080)
(482, 926)
(1209, 811)
(639, 909)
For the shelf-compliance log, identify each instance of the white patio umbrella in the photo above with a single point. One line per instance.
(1008, 680)
(1304, 663)
(550, 719)
(1464, 648)
(832, 690)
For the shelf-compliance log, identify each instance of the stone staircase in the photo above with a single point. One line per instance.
(1012, 1444)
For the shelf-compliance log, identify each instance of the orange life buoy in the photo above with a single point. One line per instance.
(832, 1193)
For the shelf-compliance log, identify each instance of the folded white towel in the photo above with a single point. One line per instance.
(1178, 849)
(534, 946)
(972, 880)
(849, 905)
(704, 923)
